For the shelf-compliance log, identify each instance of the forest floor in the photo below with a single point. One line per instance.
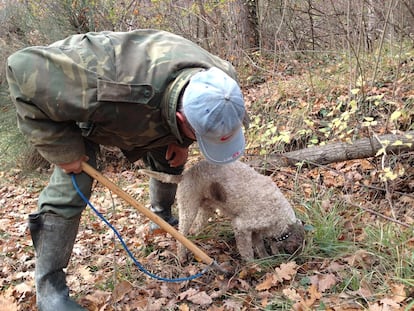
(358, 255)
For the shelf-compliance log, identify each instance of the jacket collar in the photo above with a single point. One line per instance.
(171, 97)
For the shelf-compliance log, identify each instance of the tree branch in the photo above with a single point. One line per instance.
(341, 151)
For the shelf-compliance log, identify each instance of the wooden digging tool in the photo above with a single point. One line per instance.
(198, 253)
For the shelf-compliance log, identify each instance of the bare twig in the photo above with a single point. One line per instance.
(369, 210)
(387, 188)
(374, 75)
(115, 265)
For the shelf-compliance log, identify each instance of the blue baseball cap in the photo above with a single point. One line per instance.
(213, 105)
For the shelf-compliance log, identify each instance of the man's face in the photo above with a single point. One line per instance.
(185, 127)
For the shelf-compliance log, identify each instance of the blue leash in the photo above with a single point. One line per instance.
(136, 262)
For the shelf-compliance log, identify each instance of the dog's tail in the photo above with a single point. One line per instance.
(163, 177)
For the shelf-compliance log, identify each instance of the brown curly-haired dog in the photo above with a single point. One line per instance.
(258, 211)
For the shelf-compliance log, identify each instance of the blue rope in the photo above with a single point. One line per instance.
(136, 262)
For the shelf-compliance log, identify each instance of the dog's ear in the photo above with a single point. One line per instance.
(218, 192)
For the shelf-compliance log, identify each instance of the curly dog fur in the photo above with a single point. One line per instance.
(259, 212)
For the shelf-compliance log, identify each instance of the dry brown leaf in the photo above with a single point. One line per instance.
(201, 298)
(24, 288)
(155, 304)
(313, 294)
(232, 305)
(332, 179)
(121, 289)
(298, 306)
(364, 292)
(166, 291)
(326, 281)
(376, 307)
(335, 267)
(243, 284)
(390, 304)
(8, 304)
(89, 303)
(85, 274)
(184, 307)
(286, 271)
(326, 205)
(188, 292)
(366, 165)
(398, 291)
(359, 259)
(291, 294)
(136, 304)
(266, 284)
(264, 302)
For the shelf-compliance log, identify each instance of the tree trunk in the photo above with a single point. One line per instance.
(371, 25)
(338, 152)
(202, 32)
(243, 25)
(251, 24)
(311, 24)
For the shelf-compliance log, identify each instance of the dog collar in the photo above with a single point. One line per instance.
(283, 237)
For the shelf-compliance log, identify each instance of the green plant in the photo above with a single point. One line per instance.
(390, 246)
(328, 228)
(12, 143)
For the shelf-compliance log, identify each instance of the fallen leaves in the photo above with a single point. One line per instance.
(7, 303)
(283, 272)
(286, 271)
(123, 288)
(196, 296)
(398, 292)
(361, 258)
(105, 279)
(303, 300)
(324, 282)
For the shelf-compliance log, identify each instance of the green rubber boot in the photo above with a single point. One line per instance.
(53, 239)
(162, 196)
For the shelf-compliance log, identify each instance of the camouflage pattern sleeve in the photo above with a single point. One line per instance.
(54, 87)
(46, 123)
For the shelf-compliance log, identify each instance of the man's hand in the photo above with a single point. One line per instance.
(73, 167)
(176, 155)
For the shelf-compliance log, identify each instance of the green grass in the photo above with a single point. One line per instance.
(12, 142)
(389, 244)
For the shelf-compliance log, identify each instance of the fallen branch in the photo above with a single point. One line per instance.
(341, 151)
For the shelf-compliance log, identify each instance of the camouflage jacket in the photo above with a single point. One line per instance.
(123, 85)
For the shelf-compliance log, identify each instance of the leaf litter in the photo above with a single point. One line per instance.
(102, 278)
